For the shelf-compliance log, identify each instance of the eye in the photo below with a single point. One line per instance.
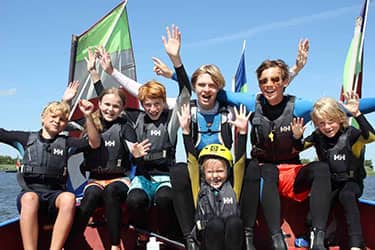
(275, 79)
(263, 81)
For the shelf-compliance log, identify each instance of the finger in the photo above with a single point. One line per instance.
(156, 60)
(168, 33)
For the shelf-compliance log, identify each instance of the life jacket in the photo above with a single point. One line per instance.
(44, 164)
(273, 140)
(162, 152)
(111, 159)
(210, 129)
(214, 202)
(343, 164)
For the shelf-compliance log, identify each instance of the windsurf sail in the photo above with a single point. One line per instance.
(112, 32)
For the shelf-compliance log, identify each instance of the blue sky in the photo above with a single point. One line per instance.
(36, 36)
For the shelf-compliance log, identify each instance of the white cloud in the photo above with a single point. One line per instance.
(275, 25)
(8, 92)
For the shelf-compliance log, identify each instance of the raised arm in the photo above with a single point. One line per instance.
(87, 108)
(302, 55)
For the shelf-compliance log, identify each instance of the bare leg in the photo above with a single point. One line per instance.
(29, 220)
(65, 203)
(115, 247)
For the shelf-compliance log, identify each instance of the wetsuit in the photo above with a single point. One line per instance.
(45, 163)
(345, 156)
(221, 228)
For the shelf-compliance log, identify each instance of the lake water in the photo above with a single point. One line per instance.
(9, 190)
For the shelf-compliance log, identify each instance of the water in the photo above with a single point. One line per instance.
(9, 190)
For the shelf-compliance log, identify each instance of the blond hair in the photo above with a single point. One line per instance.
(211, 70)
(327, 108)
(152, 89)
(57, 107)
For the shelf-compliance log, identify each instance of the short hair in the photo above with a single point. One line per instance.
(152, 89)
(57, 106)
(271, 64)
(328, 108)
(211, 70)
(114, 91)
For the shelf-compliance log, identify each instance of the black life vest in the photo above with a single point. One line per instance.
(209, 129)
(111, 159)
(215, 202)
(162, 154)
(342, 163)
(273, 140)
(44, 163)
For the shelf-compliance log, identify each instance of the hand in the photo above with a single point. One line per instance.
(242, 120)
(184, 118)
(104, 59)
(70, 91)
(161, 69)
(141, 149)
(90, 60)
(303, 53)
(297, 127)
(86, 107)
(172, 45)
(352, 103)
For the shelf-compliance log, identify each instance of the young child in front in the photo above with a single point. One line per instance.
(218, 223)
(43, 175)
(341, 146)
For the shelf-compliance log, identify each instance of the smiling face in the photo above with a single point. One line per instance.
(329, 128)
(206, 90)
(215, 172)
(272, 85)
(153, 107)
(54, 119)
(111, 106)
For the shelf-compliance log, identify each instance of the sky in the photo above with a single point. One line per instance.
(36, 35)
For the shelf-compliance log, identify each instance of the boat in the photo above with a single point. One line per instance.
(293, 225)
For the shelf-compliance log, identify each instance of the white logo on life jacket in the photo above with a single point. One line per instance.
(284, 129)
(227, 200)
(109, 143)
(57, 151)
(155, 132)
(340, 157)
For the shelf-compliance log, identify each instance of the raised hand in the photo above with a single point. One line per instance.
(351, 103)
(104, 59)
(242, 120)
(302, 55)
(184, 118)
(86, 107)
(297, 127)
(90, 60)
(70, 91)
(141, 149)
(161, 69)
(172, 44)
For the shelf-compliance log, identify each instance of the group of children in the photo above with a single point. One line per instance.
(213, 197)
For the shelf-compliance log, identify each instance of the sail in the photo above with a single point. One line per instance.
(112, 32)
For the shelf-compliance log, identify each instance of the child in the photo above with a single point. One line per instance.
(44, 172)
(341, 146)
(217, 216)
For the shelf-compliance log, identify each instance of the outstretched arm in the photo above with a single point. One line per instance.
(87, 108)
(302, 55)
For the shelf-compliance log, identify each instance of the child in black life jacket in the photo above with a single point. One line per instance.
(218, 223)
(341, 146)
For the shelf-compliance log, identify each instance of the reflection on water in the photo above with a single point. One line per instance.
(9, 190)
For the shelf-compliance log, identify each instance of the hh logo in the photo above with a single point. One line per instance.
(339, 157)
(228, 200)
(57, 151)
(155, 132)
(284, 129)
(109, 143)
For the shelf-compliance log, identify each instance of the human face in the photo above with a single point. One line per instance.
(153, 107)
(111, 107)
(272, 86)
(328, 127)
(215, 172)
(206, 90)
(53, 123)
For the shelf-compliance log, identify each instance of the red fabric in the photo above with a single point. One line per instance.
(287, 176)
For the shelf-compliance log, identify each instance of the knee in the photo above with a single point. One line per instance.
(137, 199)
(215, 225)
(163, 198)
(233, 222)
(29, 202)
(321, 170)
(66, 201)
(269, 172)
(92, 195)
(179, 174)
